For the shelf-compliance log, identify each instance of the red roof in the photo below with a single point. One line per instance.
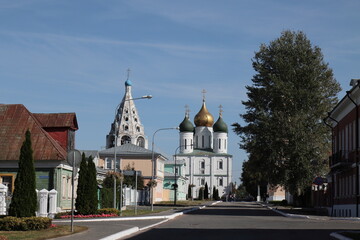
(15, 119)
(50, 120)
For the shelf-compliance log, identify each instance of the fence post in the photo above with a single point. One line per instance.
(3, 191)
(43, 195)
(52, 203)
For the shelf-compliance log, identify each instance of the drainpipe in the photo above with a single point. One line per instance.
(357, 151)
(335, 148)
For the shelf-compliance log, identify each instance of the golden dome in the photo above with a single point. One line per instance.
(203, 118)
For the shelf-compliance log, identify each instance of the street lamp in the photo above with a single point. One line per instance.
(115, 144)
(154, 163)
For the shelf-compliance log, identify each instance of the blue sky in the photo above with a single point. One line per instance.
(72, 56)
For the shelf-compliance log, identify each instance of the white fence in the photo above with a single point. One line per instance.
(46, 202)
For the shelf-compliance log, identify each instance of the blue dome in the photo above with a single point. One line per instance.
(128, 83)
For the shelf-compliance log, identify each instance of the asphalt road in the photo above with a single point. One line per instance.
(240, 220)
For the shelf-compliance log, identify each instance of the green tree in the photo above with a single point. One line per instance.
(92, 186)
(24, 199)
(129, 180)
(82, 203)
(293, 90)
(206, 191)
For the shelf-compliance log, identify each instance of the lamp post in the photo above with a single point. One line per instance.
(154, 163)
(115, 145)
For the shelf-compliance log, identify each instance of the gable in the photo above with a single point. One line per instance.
(15, 120)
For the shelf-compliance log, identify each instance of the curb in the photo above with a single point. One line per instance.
(133, 230)
(338, 236)
(335, 235)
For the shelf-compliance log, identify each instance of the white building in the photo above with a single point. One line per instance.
(127, 126)
(204, 150)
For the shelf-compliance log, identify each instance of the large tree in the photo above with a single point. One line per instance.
(24, 200)
(292, 91)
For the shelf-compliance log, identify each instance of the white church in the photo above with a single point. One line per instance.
(204, 150)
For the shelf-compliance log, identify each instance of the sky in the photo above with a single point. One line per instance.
(73, 56)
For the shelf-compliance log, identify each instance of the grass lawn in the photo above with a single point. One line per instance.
(42, 234)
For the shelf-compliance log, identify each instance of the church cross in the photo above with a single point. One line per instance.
(203, 92)
(221, 110)
(187, 110)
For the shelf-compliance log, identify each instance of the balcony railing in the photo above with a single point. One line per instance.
(342, 158)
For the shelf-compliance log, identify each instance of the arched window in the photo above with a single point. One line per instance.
(126, 128)
(138, 129)
(140, 142)
(125, 139)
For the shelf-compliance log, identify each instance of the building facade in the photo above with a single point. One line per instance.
(52, 136)
(204, 150)
(344, 162)
(175, 176)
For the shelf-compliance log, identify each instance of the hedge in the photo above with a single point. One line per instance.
(24, 224)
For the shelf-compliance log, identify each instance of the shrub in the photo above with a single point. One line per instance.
(59, 214)
(24, 224)
(108, 211)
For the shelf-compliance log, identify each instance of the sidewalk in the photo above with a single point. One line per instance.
(119, 227)
(336, 235)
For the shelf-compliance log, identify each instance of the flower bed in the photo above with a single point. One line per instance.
(90, 215)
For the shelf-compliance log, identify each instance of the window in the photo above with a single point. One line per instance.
(63, 184)
(220, 181)
(202, 164)
(108, 163)
(141, 142)
(185, 143)
(219, 143)
(8, 180)
(138, 129)
(125, 139)
(202, 141)
(202, 181)
(177, 170)
(220, 164)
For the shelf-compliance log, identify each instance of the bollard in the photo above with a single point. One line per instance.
(52, 203)
(43, 197)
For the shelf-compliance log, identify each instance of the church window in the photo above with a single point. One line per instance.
(126, 128)
(219, 143)
(202, 141)
(225, 144)
(141, 142)
(138, 129)
(126, 119)
(197, 141)
(185, 143)
(126, 110)
(220, 164)
(220, 181)
(202, 181)
(125, 139)
(136, 120)
(202, 164)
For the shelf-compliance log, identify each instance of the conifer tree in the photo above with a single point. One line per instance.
(189, 192)
(92, 187)
(206, 191)
(82, 203)
(24, 200)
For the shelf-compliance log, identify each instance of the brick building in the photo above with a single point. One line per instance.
(344, 161)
